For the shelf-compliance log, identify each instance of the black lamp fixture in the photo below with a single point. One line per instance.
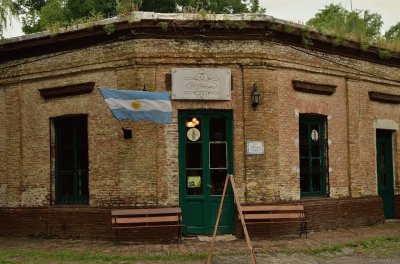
(255, 96)
(127, 132)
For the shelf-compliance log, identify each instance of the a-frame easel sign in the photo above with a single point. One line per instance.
(229, 178)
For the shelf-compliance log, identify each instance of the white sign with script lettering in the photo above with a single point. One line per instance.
(201, 84)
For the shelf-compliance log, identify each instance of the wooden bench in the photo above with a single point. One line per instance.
(275, 214)
(147, 218)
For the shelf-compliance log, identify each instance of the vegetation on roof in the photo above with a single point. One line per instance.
(362, 26)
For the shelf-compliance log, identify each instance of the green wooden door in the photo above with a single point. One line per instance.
(205, 157)
(384, 163)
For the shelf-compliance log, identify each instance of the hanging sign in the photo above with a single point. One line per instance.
(201, 84)
(193, 134)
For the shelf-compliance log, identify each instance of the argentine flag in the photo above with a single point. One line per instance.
(139, 105)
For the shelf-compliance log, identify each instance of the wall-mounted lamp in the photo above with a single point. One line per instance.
(127, 132)
(255, 96)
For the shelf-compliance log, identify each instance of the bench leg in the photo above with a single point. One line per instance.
(303, 228)
(179, 234)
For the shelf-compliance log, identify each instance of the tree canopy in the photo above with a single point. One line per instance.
(335, 19)
(393, 33)
(39, 15)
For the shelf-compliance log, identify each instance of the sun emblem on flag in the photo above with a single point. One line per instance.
(136, 105)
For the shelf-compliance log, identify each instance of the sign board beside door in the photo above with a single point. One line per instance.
(201, 84)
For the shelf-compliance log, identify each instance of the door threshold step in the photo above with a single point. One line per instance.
(219, 238)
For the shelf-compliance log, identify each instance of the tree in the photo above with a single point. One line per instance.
(165, 6)
(7, 9)
(222, 6)
(40, 15)
(335, 19)
(393, 33)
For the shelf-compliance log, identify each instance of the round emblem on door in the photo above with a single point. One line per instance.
(193, 134)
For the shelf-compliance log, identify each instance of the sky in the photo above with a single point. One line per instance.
(300, 11)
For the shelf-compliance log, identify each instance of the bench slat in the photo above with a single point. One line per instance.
(259, 208)
(273, 216)
(147, 211)
(144, 220)
(280, 222)
(135, 226)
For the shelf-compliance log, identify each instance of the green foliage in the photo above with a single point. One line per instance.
(221, 6)
(163, 25)
(305, 37)
(159, 6)
(53, 14)
(384, 54)
(109, 28)
(39, 15)
(125, 7)
(393, 33)
(76, 9)
(60, 13)
(335, 19)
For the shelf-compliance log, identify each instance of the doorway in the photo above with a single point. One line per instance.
(384, 164)
(71, 160)
(313, 155)
(205, 158)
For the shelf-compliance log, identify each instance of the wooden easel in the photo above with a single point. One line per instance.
(229, 178)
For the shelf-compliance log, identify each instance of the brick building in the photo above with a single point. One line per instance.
(324, 134)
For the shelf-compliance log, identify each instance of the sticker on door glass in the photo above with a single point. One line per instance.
(194, 182)
(193, 134)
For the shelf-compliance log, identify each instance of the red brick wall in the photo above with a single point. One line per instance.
(95, 223)
(397, 206)
(327, 214)
(72, 223)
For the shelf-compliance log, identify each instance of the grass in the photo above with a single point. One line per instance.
(380, 247)
(8, 256)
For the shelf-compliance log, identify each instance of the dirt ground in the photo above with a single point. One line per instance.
(235, 250)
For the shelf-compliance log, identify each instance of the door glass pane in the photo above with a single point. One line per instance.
(316, 175)
(383, 164)
(194, 182)
(193, 155)
(217, 155)
(218, 177)
(66, 187)
(217, 129)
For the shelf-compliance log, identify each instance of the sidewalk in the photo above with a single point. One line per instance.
(193, 245)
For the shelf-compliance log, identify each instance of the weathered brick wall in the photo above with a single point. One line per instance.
(68, 223)
(95, 223)
(323, 214)
(144, 170)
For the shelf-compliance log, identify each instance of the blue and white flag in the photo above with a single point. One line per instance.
(139, 105)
